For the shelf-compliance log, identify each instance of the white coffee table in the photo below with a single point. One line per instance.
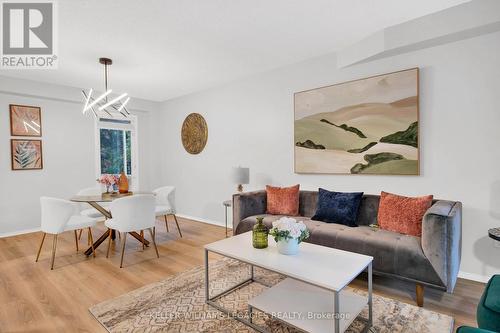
(313, 293)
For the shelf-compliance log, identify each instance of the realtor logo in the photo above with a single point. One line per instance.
(28, 35)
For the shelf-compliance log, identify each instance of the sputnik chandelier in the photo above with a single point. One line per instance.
(101, 103)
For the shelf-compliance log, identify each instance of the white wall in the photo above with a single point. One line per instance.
(251, 124)
(68, 151)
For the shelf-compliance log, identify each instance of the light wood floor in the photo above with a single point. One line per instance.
(35, 299)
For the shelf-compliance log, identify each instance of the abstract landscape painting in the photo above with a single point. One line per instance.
(26, 154)
(367, 126)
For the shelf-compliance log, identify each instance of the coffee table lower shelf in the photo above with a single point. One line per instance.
(308, 307)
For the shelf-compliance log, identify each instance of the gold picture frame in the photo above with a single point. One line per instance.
(25, 120)
(364, 126)
(26, 154)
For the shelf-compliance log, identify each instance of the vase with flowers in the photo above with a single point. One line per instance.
(108, 180)
(288, 234)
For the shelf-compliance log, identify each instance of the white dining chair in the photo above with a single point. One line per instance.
(134, 213)
(88, 211)
(165, 204)
(58, 216)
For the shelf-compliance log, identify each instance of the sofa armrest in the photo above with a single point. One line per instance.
(468, 329)
(248, 204)
(442, 240)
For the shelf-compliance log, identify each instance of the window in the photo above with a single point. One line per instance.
(117, 147)
(115, 151)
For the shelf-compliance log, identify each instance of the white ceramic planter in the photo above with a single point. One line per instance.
(289, 246)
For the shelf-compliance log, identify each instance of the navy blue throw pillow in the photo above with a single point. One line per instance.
(338, 207)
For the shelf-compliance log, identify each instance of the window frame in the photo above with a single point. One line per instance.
(108, 123)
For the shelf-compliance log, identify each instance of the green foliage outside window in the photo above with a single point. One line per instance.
(116, 155)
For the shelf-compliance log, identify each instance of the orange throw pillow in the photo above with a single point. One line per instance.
(283, 200)
(402, 214)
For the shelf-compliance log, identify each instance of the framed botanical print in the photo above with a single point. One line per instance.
(26, 154)
(25, 120)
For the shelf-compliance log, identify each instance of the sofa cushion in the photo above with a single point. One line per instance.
(308, 201)
(487, 315)
(403, 214)
(468, 329)
(492, 299)
(338, 207)
(394, 253)
(283, 200)
(248, 223)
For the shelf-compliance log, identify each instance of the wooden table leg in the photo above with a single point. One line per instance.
(139, 238)
(105, 235)
(100, 209)
(98, 242)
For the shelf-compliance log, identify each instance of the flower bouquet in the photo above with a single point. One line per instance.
(109, 181)
(288, 233)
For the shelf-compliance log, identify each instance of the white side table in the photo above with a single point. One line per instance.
(227, 204)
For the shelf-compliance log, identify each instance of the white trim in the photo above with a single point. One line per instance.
(461, 274)
(473, 277)
(19, 232)
(133, 127)
(199, 219)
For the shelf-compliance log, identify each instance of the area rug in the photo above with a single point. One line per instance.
(177, 304)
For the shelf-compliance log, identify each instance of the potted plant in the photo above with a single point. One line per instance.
(288, 233)
(109, 181)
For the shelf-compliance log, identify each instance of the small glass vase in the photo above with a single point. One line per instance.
(260, 234)
(288, 246)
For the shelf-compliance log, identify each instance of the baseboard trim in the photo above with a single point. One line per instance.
(19, 232)
(189, 217)
(461, 274)
(473, 277)
(203, 220)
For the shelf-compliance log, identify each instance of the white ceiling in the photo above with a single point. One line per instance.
(166, 48)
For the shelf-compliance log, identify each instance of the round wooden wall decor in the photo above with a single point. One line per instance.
(194, 133)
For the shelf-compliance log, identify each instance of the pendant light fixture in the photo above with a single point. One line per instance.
(102, 103)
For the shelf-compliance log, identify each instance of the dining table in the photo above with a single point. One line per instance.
(96, 201)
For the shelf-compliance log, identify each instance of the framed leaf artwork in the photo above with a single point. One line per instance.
(26, 154)
(25, 120)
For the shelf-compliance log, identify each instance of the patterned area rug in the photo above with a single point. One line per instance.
(177, 304)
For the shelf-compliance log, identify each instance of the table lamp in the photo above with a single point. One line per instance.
(240, 176)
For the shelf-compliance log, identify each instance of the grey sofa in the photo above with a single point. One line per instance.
(431, 260)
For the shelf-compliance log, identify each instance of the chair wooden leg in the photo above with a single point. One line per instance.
(80, 234)
(54, 245)
(166, 222)
(420, 294)
(123, 248)
(142, 240)
(76, 240)
(154, 242)
(40, 248)
(109, 242)
(91, 242)
(178, 228)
